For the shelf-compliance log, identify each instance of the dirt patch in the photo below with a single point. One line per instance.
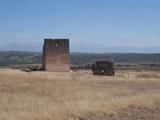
(130, 113)
(138, 113)
(145, 75)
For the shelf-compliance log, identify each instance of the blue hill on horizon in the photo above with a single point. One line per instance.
(80, 47)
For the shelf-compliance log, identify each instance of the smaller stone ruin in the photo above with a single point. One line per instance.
(103, 67)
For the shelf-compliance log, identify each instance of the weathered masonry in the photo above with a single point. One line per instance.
(56, 55)
(103, 67)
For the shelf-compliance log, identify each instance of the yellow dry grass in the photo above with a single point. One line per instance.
(74, 95)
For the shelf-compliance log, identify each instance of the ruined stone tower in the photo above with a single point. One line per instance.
(56, 55)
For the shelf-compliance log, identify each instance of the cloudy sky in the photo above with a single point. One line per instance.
(106, 22)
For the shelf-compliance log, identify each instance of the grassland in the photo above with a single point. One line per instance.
(79, 96)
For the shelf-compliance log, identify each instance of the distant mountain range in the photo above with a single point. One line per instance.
(98, 48)
(21, 46)
(80, 47)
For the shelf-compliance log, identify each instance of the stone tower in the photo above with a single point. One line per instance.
(56, 55)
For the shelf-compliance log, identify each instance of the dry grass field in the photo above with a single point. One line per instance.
(79, 96)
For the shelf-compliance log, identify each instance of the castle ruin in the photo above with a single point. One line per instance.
(56, 55)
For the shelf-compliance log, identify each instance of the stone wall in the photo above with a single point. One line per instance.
(56, 55)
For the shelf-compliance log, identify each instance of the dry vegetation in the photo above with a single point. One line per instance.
(79, 96)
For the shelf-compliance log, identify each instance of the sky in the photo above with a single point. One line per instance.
(133, 23)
